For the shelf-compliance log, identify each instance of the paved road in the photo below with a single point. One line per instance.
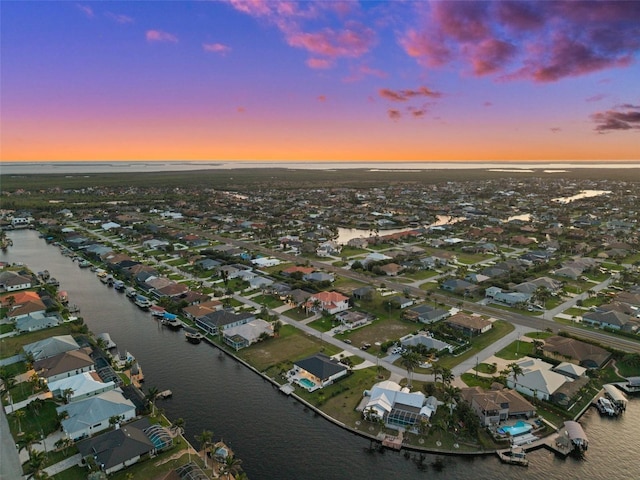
(10, 467)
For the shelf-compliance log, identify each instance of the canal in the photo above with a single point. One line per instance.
(275, 436)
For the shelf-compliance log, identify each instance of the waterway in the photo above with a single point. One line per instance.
(275, 436)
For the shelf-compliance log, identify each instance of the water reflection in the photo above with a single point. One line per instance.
(581, 195)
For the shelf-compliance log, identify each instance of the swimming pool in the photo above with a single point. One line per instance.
(306, 383)
(518, 429)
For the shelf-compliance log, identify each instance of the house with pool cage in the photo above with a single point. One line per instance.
(396, 406)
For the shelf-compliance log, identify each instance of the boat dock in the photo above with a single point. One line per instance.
(165, 394)
(392, 441)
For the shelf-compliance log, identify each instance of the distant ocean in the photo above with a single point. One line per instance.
(74, 168)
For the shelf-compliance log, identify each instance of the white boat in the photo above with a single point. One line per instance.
(142, 302)
(605, 407)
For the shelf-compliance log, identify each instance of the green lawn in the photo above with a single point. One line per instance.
(476, 381)
(322, 324)
(516, 350)
(13, 345)
(268, 301)
(6, 328)
(539, 335)
(46, 420)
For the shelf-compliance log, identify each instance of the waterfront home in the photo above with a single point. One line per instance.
(64, 365)
(219, 320)
(397, 406)
(50, 347)
(242, 336)
(317, 371)
(469, 324)
(20, 304)
(497, 405)
(120, 448)
(201, 309)
(13, 281)
(36, 321)
(90, 416)
(330, 302)
(570, 349)
(537, 379)
(79, 387)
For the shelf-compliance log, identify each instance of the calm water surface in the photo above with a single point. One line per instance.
(275, 437)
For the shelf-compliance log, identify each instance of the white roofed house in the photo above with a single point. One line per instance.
(242, 336)
(396, 406)
(537, 379)
(220, 320)
(79, 387)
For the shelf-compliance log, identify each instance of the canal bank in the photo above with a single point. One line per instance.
(274, 435)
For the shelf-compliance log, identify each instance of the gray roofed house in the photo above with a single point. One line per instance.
(92, 415)
(36, 321)
(319, 277)
(51, 346)
(119, 448)
(425, 313)
(457, 285)
(611, 319)
(14, 281)
(322, 369)
(219, 320)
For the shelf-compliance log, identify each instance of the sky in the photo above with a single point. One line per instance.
(267, 80)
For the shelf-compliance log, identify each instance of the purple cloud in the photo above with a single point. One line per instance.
(621, 117)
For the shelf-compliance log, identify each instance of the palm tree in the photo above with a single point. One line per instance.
(63, 444)
(19, 415)
(205, 440)
(447, 376)
(27, 441)
(178, 425)
(410, 360)
(515, 370)
(36, 463)
(437, 371)
(151, 397)
(66, 394)
(231, 466)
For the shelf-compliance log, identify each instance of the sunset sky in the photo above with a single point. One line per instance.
(262, 80)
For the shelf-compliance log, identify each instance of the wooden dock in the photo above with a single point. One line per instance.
(392, 441)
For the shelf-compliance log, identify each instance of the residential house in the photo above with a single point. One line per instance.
(425, 338)
(537, 379)
(92, 415)
(79, 387)
(396, 406)
(611, 319)
(207, 264)
(400, 302)
(364, 293)
(510, 299)
(13, 281)
(36, 321)
(352, 319)
(391, 269)
(120, 448)
(469, 324)
(330, 302)
(458, 286)
(425, 314)
(50, 347)
(318, 369)
(569, 349)
(497, 405)
(319, 277)
(64, 365)
(200, 310)
(217, 321)
(244, 335)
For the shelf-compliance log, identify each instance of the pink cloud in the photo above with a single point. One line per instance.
(216, 48)
(160, 36)
(319, 63)
(349, 39)
(596, 98)
(621, 117)
(87, 10)
(119, 18)
(394, 114)
(240, 110)
(532, 40)
(555, 129)
(322, 98)
(404, 95)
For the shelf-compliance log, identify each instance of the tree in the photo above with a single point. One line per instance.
(36, 463)
(447, 376)
(231, 466)
(277, 325)
(19, 415)
(410, 360)
(27, 441)
(178, 425)
(205, 441)
(515, 370)
(151, 397)
(63, 444)
(66, 394)
(437, 371)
